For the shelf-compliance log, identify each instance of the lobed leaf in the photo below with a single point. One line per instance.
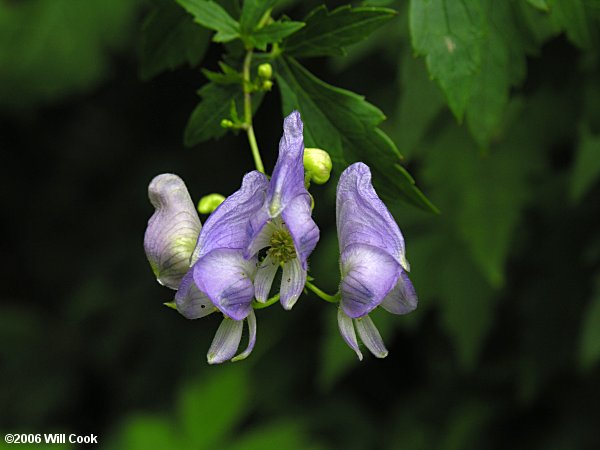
(575, 18)
(328, 33)
(212, 16)
(205, 121)
(449, 35)
(169, 39)
(252, 12)
(345, 125)
(274, 32)
(475, 51)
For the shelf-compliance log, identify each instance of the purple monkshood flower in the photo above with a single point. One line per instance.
(214, 275)
(284, 223)
(372, 259)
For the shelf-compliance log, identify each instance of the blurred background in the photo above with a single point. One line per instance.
(502, 352)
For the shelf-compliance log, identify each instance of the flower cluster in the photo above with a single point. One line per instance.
(230, 263)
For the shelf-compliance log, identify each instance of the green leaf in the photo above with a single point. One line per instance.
(214, 17)
(210, 408)
(542, 5)
(574, 18)
(475, 52)
(420, 103)
(345, 125)
(502, 65)
(445, 276)
(587, 165)
(252, 12)
(329, 33)
(205, 121)
(228, 76)
(215, 105)
(589, 347)
(169, 39)
(448, 34)
(274, 32)
(484, 195)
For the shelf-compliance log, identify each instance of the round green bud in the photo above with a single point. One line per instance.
(317, 164)
(209, 203)
(265, 71)
(226, 123)
(267, 85)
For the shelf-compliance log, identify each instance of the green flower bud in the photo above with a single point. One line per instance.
(209, 203)
(226, 123)
(265, 71)
(317, 164)
(267, 85)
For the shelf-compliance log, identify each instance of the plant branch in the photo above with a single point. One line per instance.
(247, 84)
(328, 298)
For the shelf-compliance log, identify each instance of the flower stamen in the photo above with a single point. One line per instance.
(282, 246)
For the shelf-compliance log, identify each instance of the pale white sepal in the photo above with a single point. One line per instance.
(226, 341)
(370, 336)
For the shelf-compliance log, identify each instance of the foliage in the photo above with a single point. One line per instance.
(495, 109)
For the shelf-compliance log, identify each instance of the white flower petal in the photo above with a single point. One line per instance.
(346, 327)
(251, 337)
(370, 336)
(292, 283)
(264, 278)
(226, 341)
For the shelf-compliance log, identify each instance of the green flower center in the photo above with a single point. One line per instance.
(282, 246)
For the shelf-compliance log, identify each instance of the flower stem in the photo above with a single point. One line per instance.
(248, 113)
(328, 298)
(269, 302)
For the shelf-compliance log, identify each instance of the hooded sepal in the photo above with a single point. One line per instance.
(288, 175)
(362, 218)
(172, 230)
(303, 229)
(228, 226)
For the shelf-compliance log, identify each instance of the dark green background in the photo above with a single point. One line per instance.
(502, 352)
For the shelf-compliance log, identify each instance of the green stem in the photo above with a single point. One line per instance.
(269, 302)
(323, 295)
(248, 113)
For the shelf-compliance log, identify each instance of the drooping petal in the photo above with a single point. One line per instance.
(226, 278)
(303, 229)
(403, 298)
(288, 175)
(228, 225)
(172, 230)
(251, 337)
(346, 327)
(362, 218)
(264, 278)
(292, 283)
(370, 336)
(368, 275)
(226, 341)
(191, 302)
